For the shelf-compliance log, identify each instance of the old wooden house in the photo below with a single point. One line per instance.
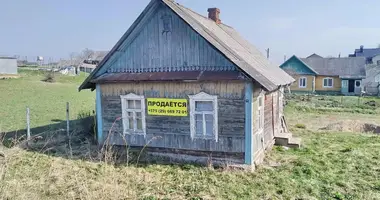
(187, 84)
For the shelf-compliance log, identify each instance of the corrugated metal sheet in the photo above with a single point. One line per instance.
(8, 65)
(169, 76)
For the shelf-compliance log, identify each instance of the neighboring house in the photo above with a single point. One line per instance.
(376, 60)
(369, 54)
(92, 61)
(372, 81)
(326, 75)
(8, 66)
(314, 55)
(185, 84)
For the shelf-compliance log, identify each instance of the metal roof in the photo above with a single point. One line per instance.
(170, 76)
(349, 67)
(228, 41)
(368, 53)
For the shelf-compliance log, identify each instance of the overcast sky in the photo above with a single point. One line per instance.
(57, 28)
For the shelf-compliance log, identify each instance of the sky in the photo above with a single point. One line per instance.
(54, 29)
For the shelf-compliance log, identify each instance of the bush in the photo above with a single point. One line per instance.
(302, 126)
(49, 77)
(87, 121)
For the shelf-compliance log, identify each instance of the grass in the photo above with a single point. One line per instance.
(330, 165)
(47, 101)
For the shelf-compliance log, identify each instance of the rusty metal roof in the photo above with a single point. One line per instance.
(170, 76)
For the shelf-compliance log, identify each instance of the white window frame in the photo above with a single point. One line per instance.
(260, 112)
(202, 96)
(300, 81)
(360, 82)
(125, 110)
(327, 86)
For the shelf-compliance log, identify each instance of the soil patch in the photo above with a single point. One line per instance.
(353, 126)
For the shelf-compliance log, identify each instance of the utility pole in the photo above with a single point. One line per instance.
(267, 50)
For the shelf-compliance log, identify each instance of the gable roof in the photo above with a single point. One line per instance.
(225, 39)
(314, 55)
(350, 67)
(301, 61)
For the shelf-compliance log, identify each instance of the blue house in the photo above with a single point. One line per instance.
(184, 84)
(369, 54)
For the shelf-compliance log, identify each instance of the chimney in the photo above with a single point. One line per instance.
(213, 14)
(361, 48)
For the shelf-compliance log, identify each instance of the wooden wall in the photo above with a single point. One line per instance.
(174, 132)
(309, 83)
(164, 42)
(337, 83)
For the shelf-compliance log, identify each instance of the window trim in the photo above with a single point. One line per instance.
(299, 82)
(124, 110)
(360, 83)
(327, 78)
(202, 96)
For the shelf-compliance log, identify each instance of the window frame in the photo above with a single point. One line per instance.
(125, 110)
(202, 96)
(360, 83)
(305, 81)
(328, 78)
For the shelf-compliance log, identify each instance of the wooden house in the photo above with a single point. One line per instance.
(185, 84)
(326, 75)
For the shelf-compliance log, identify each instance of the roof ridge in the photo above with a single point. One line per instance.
(201, 14)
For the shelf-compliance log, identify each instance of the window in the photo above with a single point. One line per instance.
(357, 83)
(133, 111)
(260, 112)
(328, 82)
(204, 116)
(302, 82)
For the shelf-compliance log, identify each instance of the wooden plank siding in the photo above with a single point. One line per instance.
(337, 84)
(268, 119)
(164, 42)
(174, 132)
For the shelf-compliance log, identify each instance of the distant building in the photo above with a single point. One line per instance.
(8, 66)
(89, 64)
(326, 75)
(369, 54)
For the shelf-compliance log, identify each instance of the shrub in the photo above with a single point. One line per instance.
(302, 126)
(86, 120)
(49, 77)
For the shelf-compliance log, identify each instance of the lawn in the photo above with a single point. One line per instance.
(47, 101)
(330, 164)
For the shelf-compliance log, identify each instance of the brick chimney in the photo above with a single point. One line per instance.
(213, 14)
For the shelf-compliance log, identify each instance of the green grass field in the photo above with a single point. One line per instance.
(47, 101)
(330, 165)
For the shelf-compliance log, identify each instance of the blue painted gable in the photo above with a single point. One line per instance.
(162, 41)
(294, 65)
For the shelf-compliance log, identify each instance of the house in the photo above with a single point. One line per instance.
(185, 84)
(89, 64)
(8, 66)
(326, 75)
(369, 54)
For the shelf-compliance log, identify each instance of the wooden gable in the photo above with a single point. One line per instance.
(162, 41)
